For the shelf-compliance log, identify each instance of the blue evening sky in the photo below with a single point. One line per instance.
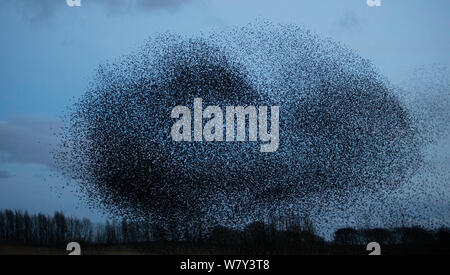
(49, 52)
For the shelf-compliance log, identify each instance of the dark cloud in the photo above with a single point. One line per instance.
(27, 140)
(42, 10)
(4, 175)
(35, 11)
(162, 4)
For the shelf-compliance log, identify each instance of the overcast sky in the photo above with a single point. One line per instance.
(49, 52)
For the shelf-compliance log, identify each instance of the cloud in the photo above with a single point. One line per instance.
(4, 175)
(35, 11)
(161, 4)
(27, 140)
(42, 10)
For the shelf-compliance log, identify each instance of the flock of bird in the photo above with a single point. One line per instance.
(344, 131)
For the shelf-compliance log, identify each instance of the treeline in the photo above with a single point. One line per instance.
(396, 236)
(280, 235)
(400, 240)
(260, 237)
(19, 227)
(22, 228)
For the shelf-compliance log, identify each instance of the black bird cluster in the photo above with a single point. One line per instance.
(342, 129)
